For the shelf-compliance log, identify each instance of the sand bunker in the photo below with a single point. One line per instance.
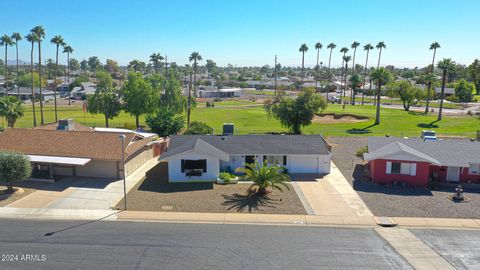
(338, 118)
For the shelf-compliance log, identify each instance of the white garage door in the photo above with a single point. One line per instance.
(303, 164)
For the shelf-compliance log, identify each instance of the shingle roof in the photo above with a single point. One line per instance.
(456, 153)
(253, 144)
(396, 149)
(83, 144)
(54, 125)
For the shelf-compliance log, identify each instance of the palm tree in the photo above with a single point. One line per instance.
(188, 72)
(380, 76)
(381, 45)
(6, 41)
(367, 48)
(355, 81)
(354, 46)
(156, 58)
(32, 38)
(434, 46)
(264, 176)
(11, 108)
(68, 50)
(137, 65)
(343, 50)
(39, 32)
(445, 65)
(318, 46)
(58, 41)
(346, 59)
(17, 37)
(195, 57)
(330, 46)
(303, 49)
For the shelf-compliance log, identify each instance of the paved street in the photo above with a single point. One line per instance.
(134, 245)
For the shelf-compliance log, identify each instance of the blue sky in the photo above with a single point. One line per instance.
(244, 32)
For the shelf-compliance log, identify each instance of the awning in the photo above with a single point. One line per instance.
(59, 160)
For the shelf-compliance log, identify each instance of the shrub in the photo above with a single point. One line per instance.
(226, 177)
(361, 151)
(199, 128)
(14, 168)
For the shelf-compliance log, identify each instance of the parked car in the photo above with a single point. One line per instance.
(429, 135)
(335, 99)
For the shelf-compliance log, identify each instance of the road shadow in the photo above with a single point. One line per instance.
(250, 202)
(429, 125)
(364, 130)
(79, 225)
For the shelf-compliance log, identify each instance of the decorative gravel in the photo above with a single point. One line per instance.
(399, 201)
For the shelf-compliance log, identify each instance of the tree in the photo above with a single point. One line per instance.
(434, 46)
(6, 41)
(354, 46)
(445, 65)
(74, 65)
(172, 98)
(165, 123)
(380, 76)
(303, 49)
(84, 66)
(138, 96)
(195, 57)
(106, 99)
(408, 94)
(68, 50)
(346, 59)
(199, 128)
(156, 59)
(474, 74)
(464, 91)
(264, 176)
(111, 66)
(11, 108)
(32, 38)
(296, 113)
(355, 83)
(17, 37)
(330, 46)
(14, 168)
(318, 46)
(58, 41)
(137, 65)
(211, 66)
(381, 45)
(93, 64)
(39, 32)
(367, 48)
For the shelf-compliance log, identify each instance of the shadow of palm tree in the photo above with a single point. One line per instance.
(250, 202)
(364, 130)
(429, 125)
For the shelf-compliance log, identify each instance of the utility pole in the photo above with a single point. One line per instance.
(275, 74)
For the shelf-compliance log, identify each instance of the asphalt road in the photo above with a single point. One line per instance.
(135, 245)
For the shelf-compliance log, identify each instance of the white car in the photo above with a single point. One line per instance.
(429, 135)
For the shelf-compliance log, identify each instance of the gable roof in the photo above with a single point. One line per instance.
(252, 144)
(199, 146)
(399, 151)
(455, 153)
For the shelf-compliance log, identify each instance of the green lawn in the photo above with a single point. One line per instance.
(255, 120)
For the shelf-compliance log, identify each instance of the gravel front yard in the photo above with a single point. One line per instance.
(399, 201)
(156, 194)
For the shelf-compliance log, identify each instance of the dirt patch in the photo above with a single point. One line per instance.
(26, 188)
(338, 118)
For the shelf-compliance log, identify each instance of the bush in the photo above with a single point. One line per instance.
(226, 177)
(199, 128)
(361, 151)
(14, 168)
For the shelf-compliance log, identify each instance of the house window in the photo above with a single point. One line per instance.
(274, 160)
(194, 167)
(396, 167)
(474, 169)
(401, 168)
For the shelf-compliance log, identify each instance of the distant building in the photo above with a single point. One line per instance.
(213, 92)
(448, 91)
(26, 93)
(81, 92)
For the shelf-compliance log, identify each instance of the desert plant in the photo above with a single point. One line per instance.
(361, 151)
(264, 176)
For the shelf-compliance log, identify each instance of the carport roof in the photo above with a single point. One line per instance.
(59, 160)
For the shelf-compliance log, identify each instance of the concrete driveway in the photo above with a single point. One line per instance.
(83, 193)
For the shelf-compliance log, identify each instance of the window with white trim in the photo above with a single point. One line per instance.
(474, 169)
(401, 168)
(275, 160)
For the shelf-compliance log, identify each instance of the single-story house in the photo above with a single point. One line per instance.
(70, 149)
(219, 93)
(203, 157)
(26, 93)
(416, 162)
(447, 91)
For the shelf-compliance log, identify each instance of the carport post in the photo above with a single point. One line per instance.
(121, 137)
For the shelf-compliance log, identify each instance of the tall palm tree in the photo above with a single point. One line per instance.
(39, 32)
(6, 41)
(32, 38)
(188, 72)
(434, 46)
(354, 46)
(58, 41)
(195, 57)
(330, 46)
(68, 50)
(17, 37)
(346, 59)
(445, 65)
(343, 50)
(355, 81)
(156, 58)
(11, 108)
(381, 45)
(318, 46)
(303, 49)
(367, 48)
(380, 76)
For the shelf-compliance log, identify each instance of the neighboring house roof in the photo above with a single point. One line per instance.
(448, 90)
(455, 153)
(252, 144)
(399, 151)
(76, 144)
(124, 130)
(54, 125)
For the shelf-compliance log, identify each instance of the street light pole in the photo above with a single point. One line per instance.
(121, 137)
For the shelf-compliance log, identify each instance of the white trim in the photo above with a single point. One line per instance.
(59, 160)
(389, 167)
(413, 169)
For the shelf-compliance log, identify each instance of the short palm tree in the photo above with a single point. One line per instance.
(381, 45)
(39, 32)
(445, 65)
(6, 41)
(434, 46)
(137, 65)
(264, 176)
(354, 46)
(318, 46)
(11, 108)
(58, 41)
(32, 38)
(156, 58)
(195, 57)
(17, 37)
(380, 76)
(367, 48)
(303, 49)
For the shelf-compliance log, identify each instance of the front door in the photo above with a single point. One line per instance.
(249, 159)
(453, 174)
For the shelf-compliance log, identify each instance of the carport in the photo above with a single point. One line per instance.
(50, 166)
